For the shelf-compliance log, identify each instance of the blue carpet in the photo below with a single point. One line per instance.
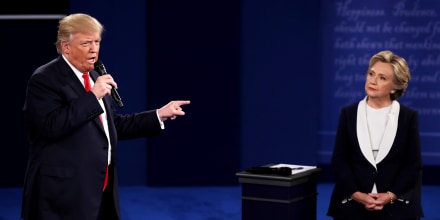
(196, 203)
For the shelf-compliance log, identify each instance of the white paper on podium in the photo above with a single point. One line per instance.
(295, 168)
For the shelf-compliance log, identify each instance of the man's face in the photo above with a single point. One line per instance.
(82, 50)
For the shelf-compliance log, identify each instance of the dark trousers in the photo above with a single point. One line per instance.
(108, 210)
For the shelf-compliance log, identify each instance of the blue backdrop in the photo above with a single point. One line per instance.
(267, 78)
(252, 77)
(355, 30)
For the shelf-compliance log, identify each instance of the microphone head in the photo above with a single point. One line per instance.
(99, 67)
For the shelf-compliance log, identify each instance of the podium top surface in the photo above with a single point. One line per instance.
(278, 180)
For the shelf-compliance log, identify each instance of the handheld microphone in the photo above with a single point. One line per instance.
(99, 67)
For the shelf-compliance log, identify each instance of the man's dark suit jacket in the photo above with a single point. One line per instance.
(69, 148)
(399, 172)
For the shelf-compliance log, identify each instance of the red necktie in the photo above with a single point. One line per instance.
(87, 86)
(86, 78)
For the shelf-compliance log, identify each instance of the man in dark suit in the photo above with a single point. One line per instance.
(73, 133)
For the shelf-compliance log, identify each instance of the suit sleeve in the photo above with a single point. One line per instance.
(138, 125)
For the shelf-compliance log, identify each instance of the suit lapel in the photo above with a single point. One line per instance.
(109, 110)
(76, 85)
(363, 133)
(70, 77)
(390, 132)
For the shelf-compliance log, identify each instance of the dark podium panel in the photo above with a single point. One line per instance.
(275, 197)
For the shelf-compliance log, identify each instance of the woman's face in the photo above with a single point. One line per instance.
(379, 81)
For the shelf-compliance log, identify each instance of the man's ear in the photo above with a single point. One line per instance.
(65, 47)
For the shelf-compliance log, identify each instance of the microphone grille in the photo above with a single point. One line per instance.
(99, 67)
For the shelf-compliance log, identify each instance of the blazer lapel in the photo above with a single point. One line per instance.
(363, 134)
(75, 84)
(70, 77)
(390, 132)
(108, 101)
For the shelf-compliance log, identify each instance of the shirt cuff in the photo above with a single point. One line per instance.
(162, 125)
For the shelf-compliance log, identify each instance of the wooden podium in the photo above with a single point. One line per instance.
(275, 197)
